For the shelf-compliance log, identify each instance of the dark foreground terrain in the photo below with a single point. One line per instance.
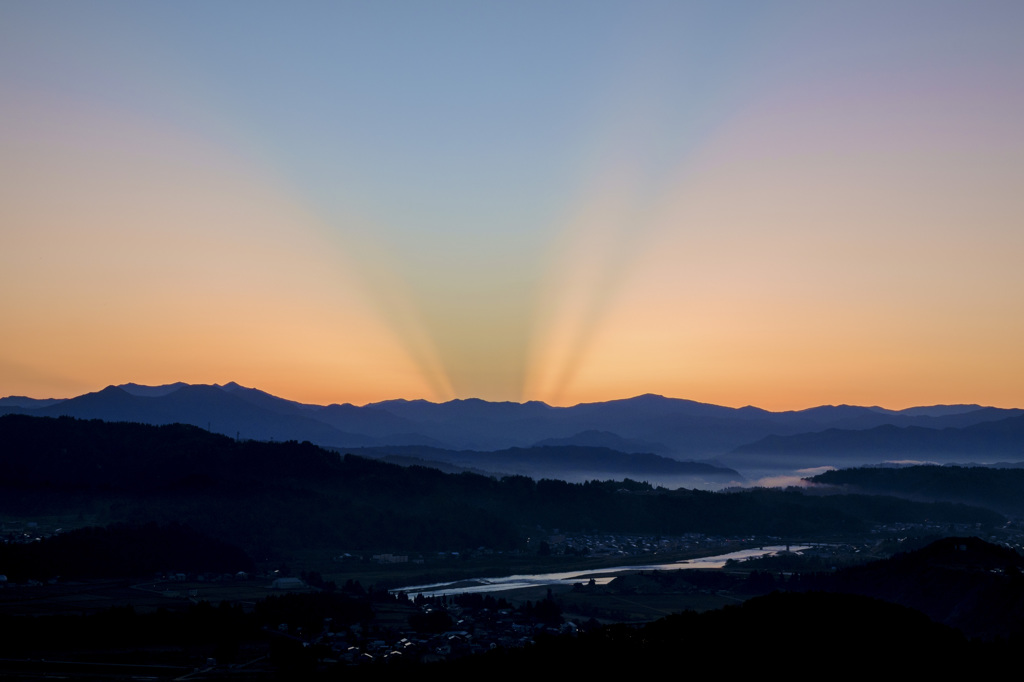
(135, 551)
(954, 605)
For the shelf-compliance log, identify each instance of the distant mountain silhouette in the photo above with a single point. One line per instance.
(20, 401)
(605, 439)
(975, 443)
(681, 429)
(152, 391)
(209, 407)
(562, 462)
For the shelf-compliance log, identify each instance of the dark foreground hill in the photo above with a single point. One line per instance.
(809, 631)
(963, 582)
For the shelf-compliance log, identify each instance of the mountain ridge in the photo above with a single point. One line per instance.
(681, 429)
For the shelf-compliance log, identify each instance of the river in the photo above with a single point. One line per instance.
(601, 576)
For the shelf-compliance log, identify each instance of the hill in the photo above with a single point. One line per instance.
(994, 488)
(274, 498)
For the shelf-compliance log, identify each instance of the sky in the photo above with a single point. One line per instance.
(783, 204)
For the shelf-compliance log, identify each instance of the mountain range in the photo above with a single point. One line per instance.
(674, 429)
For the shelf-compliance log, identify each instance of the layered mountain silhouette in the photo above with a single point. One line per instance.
(647, 424)
(1002, 438)
(556, 461)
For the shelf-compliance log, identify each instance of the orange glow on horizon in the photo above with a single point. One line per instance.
(805, 207)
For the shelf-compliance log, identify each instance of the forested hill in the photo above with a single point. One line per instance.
(998, 489)
(274, 497)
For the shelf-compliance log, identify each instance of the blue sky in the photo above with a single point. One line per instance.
(779, 203)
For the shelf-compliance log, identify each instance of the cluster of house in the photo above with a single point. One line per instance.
(606, 544)
(473, 631)
(23, 533)
(593, 545)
